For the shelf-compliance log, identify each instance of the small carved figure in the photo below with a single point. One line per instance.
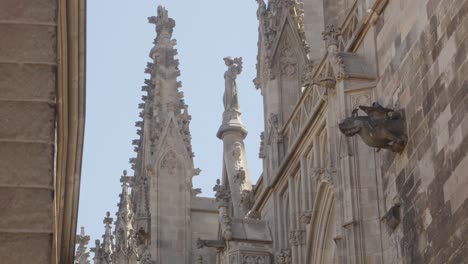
(222, 194)
(381, 128)
(247, 199)
(141, 236)
(239, 175)
(231, 101)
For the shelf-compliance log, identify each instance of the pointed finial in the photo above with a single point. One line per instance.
(164, 24)
(126, 180)
(107, 220)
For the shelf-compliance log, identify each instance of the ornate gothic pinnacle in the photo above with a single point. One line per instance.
(124, 223)
(82, 254)
(126, 180)
(107, 243)
(98, 252)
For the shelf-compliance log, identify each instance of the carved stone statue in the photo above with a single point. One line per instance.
(381, 128)
(231, 101)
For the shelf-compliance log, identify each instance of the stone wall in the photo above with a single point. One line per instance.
(203, 225)
(422, 60)
(28, 93)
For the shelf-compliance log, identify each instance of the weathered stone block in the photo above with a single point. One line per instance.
(27, 209)
(27, 82)
(26, 163)
(43, 11)
(27, 121)
(25, 248)
(28, 43)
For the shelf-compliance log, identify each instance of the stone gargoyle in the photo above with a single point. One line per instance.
(381, 128)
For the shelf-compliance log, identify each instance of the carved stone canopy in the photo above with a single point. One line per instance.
(381, 128)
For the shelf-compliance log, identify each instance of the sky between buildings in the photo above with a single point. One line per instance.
(119, 39)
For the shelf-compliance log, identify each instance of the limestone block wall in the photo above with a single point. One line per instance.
(27, 110)
(423, 68)
(204, 225)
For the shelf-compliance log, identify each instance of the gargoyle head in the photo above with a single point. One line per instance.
(381, 128)
(350, 126)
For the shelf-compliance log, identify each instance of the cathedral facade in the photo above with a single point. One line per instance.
(364, 145)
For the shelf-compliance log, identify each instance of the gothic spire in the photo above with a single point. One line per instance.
(164, 68)
(125, 218)
(164, 100)
(82, 253)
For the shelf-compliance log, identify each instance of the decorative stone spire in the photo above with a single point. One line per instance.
(233, 133)
(124, 237)
(166, 99)
(98, 253)
(107, 244)
(82, 254)
(165, 157)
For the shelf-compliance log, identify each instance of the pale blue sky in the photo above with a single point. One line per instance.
(119, 39)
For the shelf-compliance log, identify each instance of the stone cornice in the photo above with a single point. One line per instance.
(71, 69)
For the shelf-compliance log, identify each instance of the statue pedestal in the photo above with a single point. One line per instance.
(232, 122)
(251, 243)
